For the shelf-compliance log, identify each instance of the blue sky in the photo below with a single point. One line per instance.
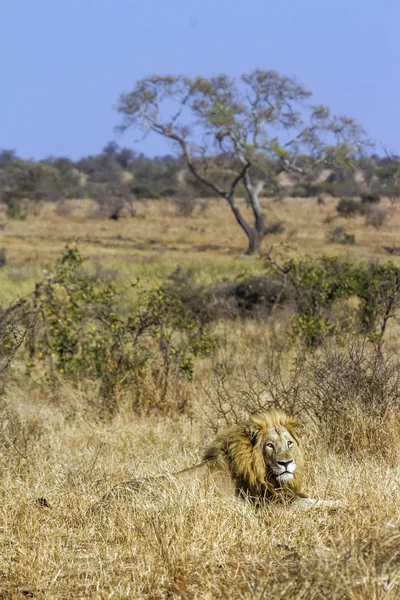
(63, 63)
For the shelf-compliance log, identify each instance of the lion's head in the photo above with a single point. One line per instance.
(264, 456)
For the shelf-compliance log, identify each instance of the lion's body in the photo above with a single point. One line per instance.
(261, 459)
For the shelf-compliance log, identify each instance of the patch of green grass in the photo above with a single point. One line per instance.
(155, 271)
(16, 282)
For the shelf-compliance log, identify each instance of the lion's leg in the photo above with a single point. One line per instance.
(307, 503)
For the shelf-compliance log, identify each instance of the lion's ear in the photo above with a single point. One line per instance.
(295, 428)
(252, 432)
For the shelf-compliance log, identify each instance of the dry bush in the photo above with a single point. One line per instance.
(17, 437)
(339, 235)
(185, 205)
(355, 393)
(351, 393)
(64, 208)
(376, 217)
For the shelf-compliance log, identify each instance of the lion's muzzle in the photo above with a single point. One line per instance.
(284, 470)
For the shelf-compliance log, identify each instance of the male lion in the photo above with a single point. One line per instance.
(261, 460)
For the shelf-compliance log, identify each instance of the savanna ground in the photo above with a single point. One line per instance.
(56, 446)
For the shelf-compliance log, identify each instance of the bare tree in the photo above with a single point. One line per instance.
(256, 127)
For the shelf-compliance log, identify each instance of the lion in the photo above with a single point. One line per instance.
(260, 460)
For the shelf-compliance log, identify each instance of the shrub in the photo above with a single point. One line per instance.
(349, 208)
(17, 208)
(34, 182)
(197, 301)
(113, 199)
(317, 284)
(338, 188)
(3, 257)
(376, 217)
(83, 336)
(354, 393)
(253, 296)
(185, 206)
(378, 288)
(305, 190)
(274, 228)
(16, 321)
(370, 197)
(351, 392)
(169, 192)
(339, 235)
(142, 192)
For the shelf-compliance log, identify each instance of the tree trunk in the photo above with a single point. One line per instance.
(253, 236)
(254, 243)
(258, 215)
(252, 194)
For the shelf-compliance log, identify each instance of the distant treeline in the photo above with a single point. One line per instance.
(117, 177)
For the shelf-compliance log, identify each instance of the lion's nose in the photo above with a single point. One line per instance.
(284, 463)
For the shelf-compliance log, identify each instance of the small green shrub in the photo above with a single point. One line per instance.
(305, 190)
(16, 208)
(169, 192)
(315, 286)
(275, 227)
(82, 336)
(143, 192)
(378, 288)
(349, 207)
(253, 296)
(370, 197)
(339, 235)
(3, 257)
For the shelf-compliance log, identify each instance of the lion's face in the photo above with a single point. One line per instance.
(262, 455)
(279, 450)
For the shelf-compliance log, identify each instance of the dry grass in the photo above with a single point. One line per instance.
(182, 544)
(211, 235)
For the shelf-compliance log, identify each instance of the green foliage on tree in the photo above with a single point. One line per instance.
(29, 182)
(239, 127)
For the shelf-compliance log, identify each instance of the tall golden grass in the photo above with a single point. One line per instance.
(58, 455)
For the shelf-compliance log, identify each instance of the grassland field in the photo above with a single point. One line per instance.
(184, 545)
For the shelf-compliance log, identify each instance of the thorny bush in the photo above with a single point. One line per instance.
(350, 395)
(15, 322)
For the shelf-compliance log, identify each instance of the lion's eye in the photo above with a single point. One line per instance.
(271, 446)
(290, 443)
